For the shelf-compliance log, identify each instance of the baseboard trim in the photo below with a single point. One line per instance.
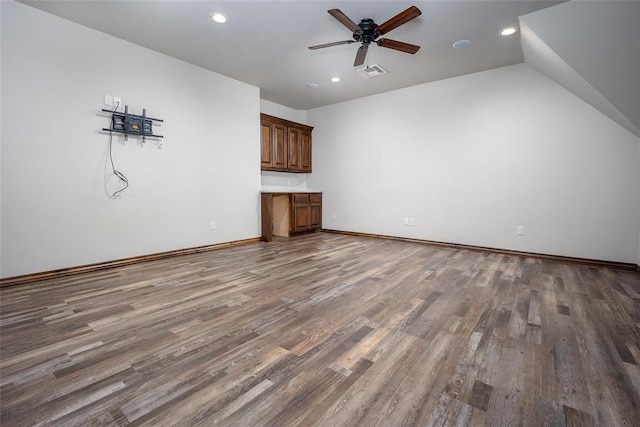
(584, 261)
(71, 271)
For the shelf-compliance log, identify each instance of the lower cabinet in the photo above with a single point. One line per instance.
(315, 211)
(284, 214)
(306, 212)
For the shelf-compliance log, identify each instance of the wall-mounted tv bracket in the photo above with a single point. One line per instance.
(132, 124)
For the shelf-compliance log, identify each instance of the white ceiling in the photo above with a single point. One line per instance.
(265, 42)
(589, 47)
(592, 48)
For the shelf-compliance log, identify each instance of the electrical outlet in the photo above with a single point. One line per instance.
(108, 99)
(333, 215)
(213, 226)
(406, 221)
(520, 230)
(117, 101)
(412, 222)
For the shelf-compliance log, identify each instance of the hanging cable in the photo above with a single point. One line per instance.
(116, 172)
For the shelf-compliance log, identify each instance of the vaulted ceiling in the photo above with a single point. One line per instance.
(590, 47)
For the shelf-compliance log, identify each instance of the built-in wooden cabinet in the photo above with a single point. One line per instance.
(293, 144)
(285, 145)
(315, 211)
(300, 217)
(284, 214)
(266, 150)
(305, 150)
(306, 212)
(274, 141)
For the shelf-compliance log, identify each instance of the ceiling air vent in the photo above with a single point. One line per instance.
(372, 71)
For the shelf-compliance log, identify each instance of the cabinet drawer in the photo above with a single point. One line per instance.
(300, 198)
(315, 197)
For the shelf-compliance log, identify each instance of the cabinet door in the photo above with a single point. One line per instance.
(315, 211)
(266, 146)
(299, 212)
(279, 136)
(305, 151)
(300, 218)
(294, 149)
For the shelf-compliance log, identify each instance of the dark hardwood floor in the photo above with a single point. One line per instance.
(325, 329)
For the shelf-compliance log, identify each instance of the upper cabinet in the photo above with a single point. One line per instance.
(285, 145)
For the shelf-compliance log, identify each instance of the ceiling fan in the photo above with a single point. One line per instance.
(367, 32)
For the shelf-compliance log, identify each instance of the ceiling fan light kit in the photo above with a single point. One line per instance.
(368, 32)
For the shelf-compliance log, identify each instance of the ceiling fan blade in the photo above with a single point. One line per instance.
(362, 53)
(344, 19)
(399, 19)
(401, 46)
(320, 46)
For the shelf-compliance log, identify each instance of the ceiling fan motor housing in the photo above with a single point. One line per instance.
(368, 31)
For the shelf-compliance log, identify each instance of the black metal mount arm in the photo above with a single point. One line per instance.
(132, 124)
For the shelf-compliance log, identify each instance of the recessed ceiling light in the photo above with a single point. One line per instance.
(312, 85)
(219, 18)
(461, 43)
(508, 31)
(335, 79)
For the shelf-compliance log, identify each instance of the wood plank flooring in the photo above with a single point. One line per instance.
(326, 330)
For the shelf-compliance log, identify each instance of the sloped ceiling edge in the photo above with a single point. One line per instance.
(599, 80)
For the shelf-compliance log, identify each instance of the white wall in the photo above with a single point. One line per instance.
(55, 211)
(282, 111)
(472, 157)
